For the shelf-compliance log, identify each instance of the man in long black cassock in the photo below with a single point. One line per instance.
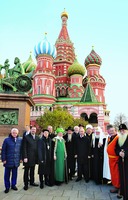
(44, 156)
(97, 155)
(82, 152)
(76, 131)
(89, 132)
(70, 147)
(122, 151)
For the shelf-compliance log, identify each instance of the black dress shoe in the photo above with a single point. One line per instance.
(119, 196)
(6, 190)
(78, 179)
(25, 187)
(34, 184)
(14, 188)
(41, 186)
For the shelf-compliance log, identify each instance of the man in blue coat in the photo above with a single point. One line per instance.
(11, 156)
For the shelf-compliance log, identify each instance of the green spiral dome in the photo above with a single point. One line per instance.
(29, 65)
(76, 68)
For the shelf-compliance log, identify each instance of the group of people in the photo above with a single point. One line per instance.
(90, 153)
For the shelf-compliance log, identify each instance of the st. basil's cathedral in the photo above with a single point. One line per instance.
(59, 80)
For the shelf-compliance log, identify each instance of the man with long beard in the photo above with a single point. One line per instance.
(122, 152)
(97, 153)
(113, 160)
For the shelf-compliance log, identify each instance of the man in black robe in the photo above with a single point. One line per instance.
(89, 132)
(122, 152)
(44, 157)
(82, 152)
(70, 147)
(97, 155)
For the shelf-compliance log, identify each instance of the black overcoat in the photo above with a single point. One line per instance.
(123, 168)
(44, 155)
(70, 148)
(82, 149)
(29, 150)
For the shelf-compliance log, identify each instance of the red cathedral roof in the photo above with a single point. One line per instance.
(64, 33)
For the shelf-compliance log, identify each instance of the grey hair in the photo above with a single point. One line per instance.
(14, 129)
(76, 127)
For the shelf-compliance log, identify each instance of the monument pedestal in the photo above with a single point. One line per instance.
(14, 112)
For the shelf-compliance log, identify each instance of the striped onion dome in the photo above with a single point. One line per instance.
(93, 58)
(44, 47)
(29, 65)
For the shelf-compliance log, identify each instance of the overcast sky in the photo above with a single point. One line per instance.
(98, 23)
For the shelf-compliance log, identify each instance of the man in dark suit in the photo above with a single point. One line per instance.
(27, 130)
(82, 152)
(30, 158)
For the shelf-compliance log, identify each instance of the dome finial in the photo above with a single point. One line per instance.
(30, 53)
(64, 14)
(92, 47)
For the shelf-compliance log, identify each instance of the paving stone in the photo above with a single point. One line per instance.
(62, 198)
(13, 196)
(101, 195)
(70, 193)
(85, 194)
(56, 193)
(72, 198)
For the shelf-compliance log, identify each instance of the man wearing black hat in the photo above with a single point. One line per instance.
(70, 147)
(122, 152)
(44, 157)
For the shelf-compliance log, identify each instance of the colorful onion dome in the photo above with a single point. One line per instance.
(93, 58)
(64, 14)
(76, 68)
(29, 65)
(44, 47)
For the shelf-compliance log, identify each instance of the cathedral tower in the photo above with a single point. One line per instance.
(92, 64)
(43, 78)
(65, 57)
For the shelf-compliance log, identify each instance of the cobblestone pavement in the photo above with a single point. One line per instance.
(70, 191)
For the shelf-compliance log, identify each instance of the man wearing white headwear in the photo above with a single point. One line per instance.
(106, 168)
(97, 154)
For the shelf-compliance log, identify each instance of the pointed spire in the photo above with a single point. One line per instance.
(89, 95)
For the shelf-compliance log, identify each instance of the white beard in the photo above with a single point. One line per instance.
(97, 136)
(122, 139)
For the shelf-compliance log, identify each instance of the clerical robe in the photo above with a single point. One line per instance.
(113, 162)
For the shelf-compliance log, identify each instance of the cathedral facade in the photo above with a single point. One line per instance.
(60, 80)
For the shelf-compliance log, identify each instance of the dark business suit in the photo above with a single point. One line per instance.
(30, 152)
(82, 152)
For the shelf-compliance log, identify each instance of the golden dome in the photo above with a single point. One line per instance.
(64, 14)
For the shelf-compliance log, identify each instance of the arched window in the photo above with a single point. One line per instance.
(57, 92)
(63, 92)
(93, 118)
(84, 116)
(59, 73)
